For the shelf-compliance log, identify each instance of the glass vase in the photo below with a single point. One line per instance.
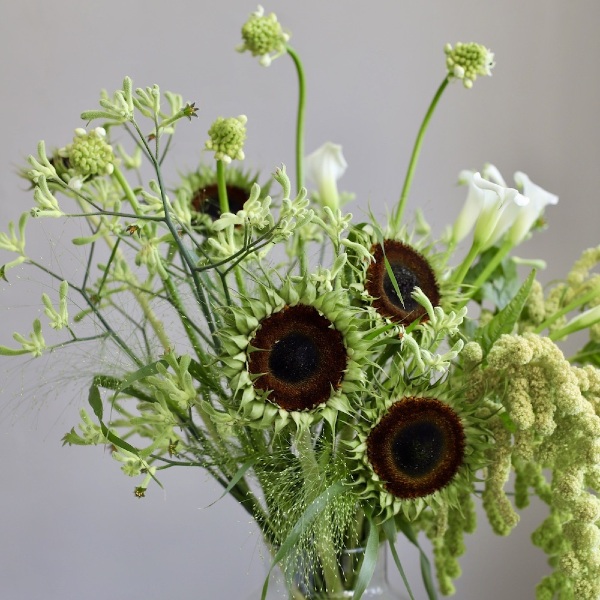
(308, 583)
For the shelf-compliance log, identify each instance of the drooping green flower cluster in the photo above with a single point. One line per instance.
(549, 419)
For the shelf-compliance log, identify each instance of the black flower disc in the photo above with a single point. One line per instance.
(417, 448)
(206, 200)
(410, 270)
(298, 356)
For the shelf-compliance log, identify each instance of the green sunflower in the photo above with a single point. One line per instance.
(417, 452)
(413, 264)
(294, 356)
(199, 189)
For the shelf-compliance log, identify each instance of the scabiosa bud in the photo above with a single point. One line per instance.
(89, 154)
(226, 138)
(467, 61)
(263, 37)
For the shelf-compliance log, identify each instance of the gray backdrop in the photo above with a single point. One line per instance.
(70, 526)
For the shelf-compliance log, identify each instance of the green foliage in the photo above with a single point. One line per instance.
(505, 320)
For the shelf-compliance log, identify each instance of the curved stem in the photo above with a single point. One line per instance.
(412, 165)
(300, 119)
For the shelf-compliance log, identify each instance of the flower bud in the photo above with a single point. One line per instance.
(324, 167)
(263, 36)
(226, 138)
(467, 61)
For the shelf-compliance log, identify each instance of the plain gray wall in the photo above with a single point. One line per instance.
(70, 526)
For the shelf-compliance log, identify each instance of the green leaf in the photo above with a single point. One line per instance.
(95, 401)
(426, 572)
(142, 373)
(505, 320)
(367, 568)
(308, 516)
(588, 355)
(392, 277)
(239, 474)
(502, 284)
(389, 529)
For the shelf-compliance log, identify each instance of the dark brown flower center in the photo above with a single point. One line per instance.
(410, 270)
(299, 357)
(417, 447)
(206, 200)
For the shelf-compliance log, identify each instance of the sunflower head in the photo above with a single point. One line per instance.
(201, 192)
(294, 356)
(417, 447)
(421, 451)
(298, 356)
(409, 269)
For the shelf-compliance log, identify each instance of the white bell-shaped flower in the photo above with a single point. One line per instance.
(324, 167)
(539, 198)
(496, 210)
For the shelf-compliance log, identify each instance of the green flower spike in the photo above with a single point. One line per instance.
(467, 61)
(417, 452)
(226, 138)
(263, 37)
(293, 356)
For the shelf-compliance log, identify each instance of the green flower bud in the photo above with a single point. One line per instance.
(466, 61)
(263, 36)
(89, 154)
(227, 138)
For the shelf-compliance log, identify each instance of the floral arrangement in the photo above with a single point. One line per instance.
(345, 402)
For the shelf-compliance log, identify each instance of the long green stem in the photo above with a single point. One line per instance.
(299, 119)
(222, 187)
(412, 165)
(185, 254)
(464, 267)
(118, 175)
(489, 269)
(579, 301)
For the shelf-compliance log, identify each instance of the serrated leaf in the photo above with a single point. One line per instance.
(505, 320)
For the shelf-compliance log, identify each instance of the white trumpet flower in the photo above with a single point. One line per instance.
(324, 167)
